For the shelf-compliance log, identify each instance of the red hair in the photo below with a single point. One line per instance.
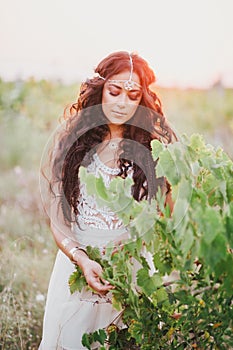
(87, 127)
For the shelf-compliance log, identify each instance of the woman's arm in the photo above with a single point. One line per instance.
(66, 242)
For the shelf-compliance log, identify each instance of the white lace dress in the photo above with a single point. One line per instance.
(67, 317)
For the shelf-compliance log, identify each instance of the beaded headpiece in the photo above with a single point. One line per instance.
(128, 84)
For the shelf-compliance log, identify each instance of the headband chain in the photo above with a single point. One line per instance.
(128, 84)
(131, 67)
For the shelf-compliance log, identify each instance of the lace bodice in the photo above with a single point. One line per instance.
(89, 211)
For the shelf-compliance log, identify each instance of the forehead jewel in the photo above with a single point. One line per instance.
(128, 84)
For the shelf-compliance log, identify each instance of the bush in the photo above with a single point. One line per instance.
(186, 302)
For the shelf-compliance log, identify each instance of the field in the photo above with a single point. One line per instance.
(29, 112)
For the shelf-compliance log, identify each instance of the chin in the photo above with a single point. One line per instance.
(116, 122)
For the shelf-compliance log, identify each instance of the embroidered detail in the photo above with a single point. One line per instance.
(89, 211)
(104, 168)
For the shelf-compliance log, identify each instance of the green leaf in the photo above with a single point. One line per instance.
(86, 341)
(100, 188)
(76, 281)
(162, 265)
(179, 212)
(149, 284)
(157, 148)
(167, 167)
(210, 223)
(93, 253)
(100, 336)
(116, 303)
(229, 226)
(144, 221)
(187, 241)
(161, 295)
(180, 154)
(197, 142)
(215, 252)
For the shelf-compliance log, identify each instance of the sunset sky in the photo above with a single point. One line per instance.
(187, 43)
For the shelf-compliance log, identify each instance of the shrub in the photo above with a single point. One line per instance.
(186, 302)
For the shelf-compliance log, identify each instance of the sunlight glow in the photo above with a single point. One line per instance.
(188, 43)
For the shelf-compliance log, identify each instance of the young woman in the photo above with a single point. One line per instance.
(108, 131)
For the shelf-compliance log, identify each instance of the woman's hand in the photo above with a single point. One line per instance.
(92, 272)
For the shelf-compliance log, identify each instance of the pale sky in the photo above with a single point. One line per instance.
(188, 43)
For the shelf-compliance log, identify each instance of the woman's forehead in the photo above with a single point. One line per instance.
(125, 75)
(128, 80)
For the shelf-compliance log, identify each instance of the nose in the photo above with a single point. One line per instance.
(122, 100)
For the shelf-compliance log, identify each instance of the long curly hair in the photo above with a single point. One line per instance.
(87, 127)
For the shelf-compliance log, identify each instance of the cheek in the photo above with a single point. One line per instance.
(105, 103)
(133, 108)
(106, 109)
(104, 98)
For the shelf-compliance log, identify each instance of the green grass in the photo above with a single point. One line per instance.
(29, 112)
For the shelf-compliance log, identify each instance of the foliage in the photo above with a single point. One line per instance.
(185, 300)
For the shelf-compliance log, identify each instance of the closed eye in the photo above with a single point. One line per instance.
(113, 93)
(114, 90)
(134, 96)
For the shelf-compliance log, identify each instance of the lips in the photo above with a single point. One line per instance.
(120, 114)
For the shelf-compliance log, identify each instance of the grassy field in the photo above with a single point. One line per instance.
(29, 112)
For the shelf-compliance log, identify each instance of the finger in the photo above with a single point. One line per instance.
(105, 282)
(96, 281)
(117, 249)
(101, 288)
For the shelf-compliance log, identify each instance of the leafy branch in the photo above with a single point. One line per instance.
(173, 279)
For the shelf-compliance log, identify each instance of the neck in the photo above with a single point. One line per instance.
(116, 131)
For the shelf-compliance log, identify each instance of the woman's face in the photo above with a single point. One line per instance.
(119, 104)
